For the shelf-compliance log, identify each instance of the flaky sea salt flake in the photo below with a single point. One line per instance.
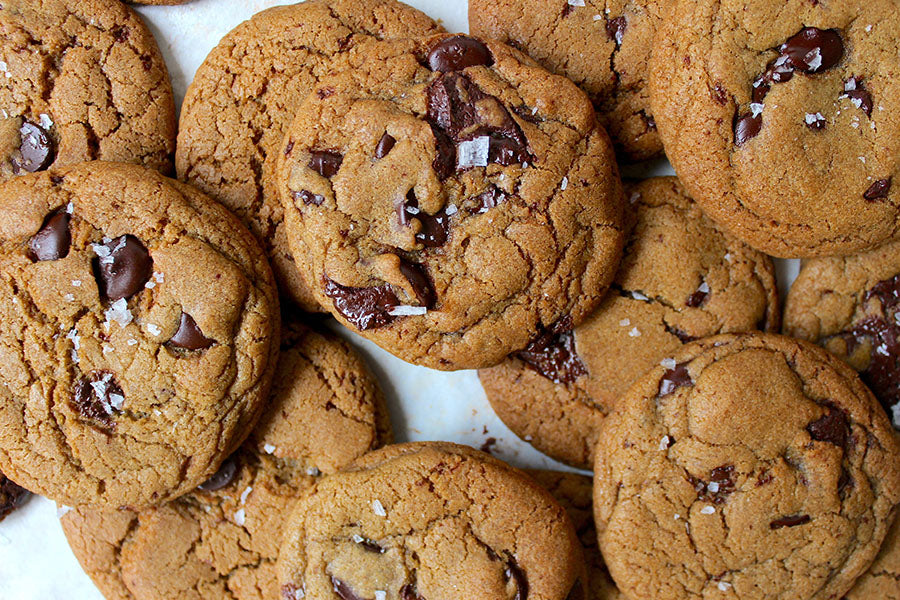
(407, 311)
(576, 2)
(378, 508)
(724, 586)
(269, 449)
(664, 443)
(635, 332)
(45, 120)
(118, 312)
(153, 329)
(473, 153)
(707, 510)
(246, 493)
(240, 517)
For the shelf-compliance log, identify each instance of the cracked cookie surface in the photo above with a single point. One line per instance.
(573, 492)
(244, 95)
(429, 520)
(603, 46)
(449, 199)
(681, 279)
(757, 466)
(81, 81)
(783, 119)
(138, 334)
(221, 541)
(882, 580)
(851, 306)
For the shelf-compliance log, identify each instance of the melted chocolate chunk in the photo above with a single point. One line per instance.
(444, 163)
(553, 355)
(415, 275)
(515, 574)
(615, 30)
(343, 590)
(856, 90)
(697, 298)
(878, 190)
(506, 151)
(832, 427)
(98, 397)
(366, 308)
(673, 379)
(325, 162)
(12, 496)
(189, 335)
(308, 197)
(53, 239)
(488, 199)
(789, 521)
(682, 336)
(222, 477)
(813, 50)
(435, 229)
(458, 52)
(35, 147)
(385, 144)
(746, 127)
(718, 486)
(123, 268)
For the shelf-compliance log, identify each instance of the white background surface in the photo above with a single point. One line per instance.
(35, 560)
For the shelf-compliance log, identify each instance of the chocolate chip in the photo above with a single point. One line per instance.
(717, 487)
(343, 590)
(615, 29)
(673, 379)
(308, 197)
(189, 335)
(120, 34)
(552, 354)
(434, 230)
(415, 275)
(53, 239)
(12, 496)
(458, 52)
(123, 268)
(221, 478)
(385, 144)
(682, 336)
(488, 199)
(366, 308)
(746, 127)
(699, 297)
(325, 162)
(789, 521)
(507, 151)
(409, 592)
(98, 397)
(878, 190)
(813, 50)
(815, 121)
(444, 163)
(35, 148)
(856, 90)
(832, 427)
(515, 574)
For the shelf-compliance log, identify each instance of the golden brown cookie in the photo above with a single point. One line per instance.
(851, 306)
(244, 96)
(681, 279)
(882, 580)
(429, 520)
(81, 81)
(573, 492)
(222, 540)
(449, 200)
(758, 466)
(783, 119)
(138, 334)
(603, 46)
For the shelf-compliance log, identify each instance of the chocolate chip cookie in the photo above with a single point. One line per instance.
(81, 81)
(573, 492)
(851, 306)
(755, 466)
(222, 540)
(138, 334)
(603, 46)
(882, 580)
(681, 279)
(783, 119)
(449, 200)
(12, 496)
(429, 520)
(244, 95)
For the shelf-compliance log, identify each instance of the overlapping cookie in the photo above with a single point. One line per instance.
(681, 279)
(138, 334)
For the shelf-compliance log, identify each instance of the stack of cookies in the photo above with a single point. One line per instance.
(173, 378)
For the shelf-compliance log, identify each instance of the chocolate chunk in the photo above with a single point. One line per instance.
(444, 163)
(35, 147)
(189, 335)
(53, 239)
(488, 199)
(832, 427)
(816, 121)
(98, 397)
(308, 197)
(123, 268)
(746, 127)
(415, 275)
(682, 336)
(506, 151)
(409, 592)
(878, 190)
(615, 30)
(813, 50)
(343, 590)
(222, 477)
(887, 292)
(673, 379)
(856, 90)
(718, 486)
(515, 574)
(789, 521)
(458, 52)
(12, 496)
(325, 162)
(366, 308)
(435, 229)
(699, 297)
(385, 144)
(553, 355)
